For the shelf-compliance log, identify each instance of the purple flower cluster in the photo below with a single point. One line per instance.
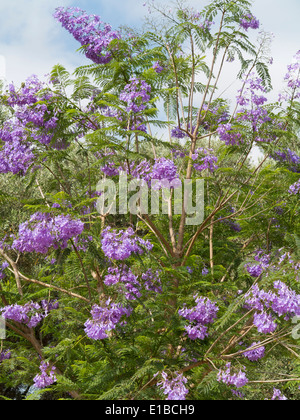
(30, 110)
(175, 388)
(179, 153)
(288, 156)
(255, 354)
(136, 94)
(44, 380)
(93, 35)
(252, 110)
(121, 245)
(164, 173)
(110, 169)
(229, 135)
(258, 269)
(30, 314)
(295, 188)
(286, 301)
(104, 319)
(16, 155)
(204, 313)
(5, 356)
(137, 170)
(152, 281)
(3, 267)
(44, 231)
(27, 94)
(292, 79)
(283, 301)
(140, 170)
(32, 120)
(293, 76)
(124, 275)
(205, 271)
(237, 379)
(157, 67)
(264, 322)
(233, 225)
(277, 396)
(206, 158)
(249, 21)
(138, 125)
(177, 133)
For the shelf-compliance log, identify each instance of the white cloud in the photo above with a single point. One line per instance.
(2, 67)
(30, 39)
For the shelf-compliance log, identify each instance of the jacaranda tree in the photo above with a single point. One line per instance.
(198, 302)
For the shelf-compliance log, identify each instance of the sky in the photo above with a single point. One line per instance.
(32, 42)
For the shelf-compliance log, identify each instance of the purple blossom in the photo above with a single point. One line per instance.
(138, 170)
(258, 269)
(93, 35)
(16, 154)
(277, 396)
(228, 135)
(286, 301)
(177, 133)
(44, 231)
(207, 160)
(283, 301)
(110, 169)
(238, 380)
(288, 156)
(136, 94)
(157, 67)
(27, 94)
(124, 275)
(204, 313)
(255, 270)
(179, 154)
(256, 354)
(33, 120)
(30, 314)
(233, 225)
(252, 112)
(164, 173)
(197, 332)
(152, 281)
(121, 245)
(4, 266)
(44, 380)
(264, 322)
(292, 79)
(175, 388)
(249, 21)
(238, 394)
(4, 356)
(259, 299)
(205, 271)
(295, 188)
(104, 319)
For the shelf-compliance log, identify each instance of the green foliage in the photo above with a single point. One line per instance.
(153, 339)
